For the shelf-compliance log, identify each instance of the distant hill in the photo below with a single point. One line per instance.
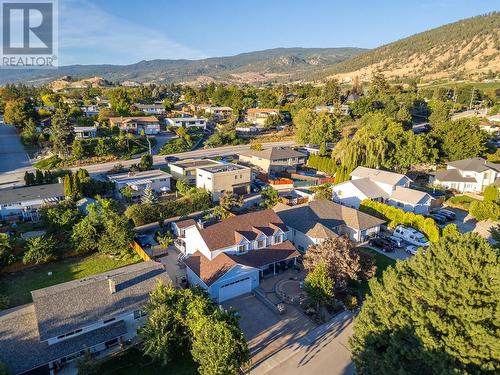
(468, 48)
(280, 64)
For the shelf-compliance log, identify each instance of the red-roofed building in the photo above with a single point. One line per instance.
(230, 257)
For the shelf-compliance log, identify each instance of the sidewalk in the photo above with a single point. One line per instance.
(323, 350)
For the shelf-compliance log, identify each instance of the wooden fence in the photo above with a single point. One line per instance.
(140, 251)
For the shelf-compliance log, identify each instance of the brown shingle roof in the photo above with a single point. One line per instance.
(250, 226)
(268, 255)
(209, 270)
(185, 223)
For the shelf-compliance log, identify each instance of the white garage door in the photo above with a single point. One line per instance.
(235, 289)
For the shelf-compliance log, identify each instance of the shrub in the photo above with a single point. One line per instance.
(396, 216)
(491, 193)
(39, 250)
(484, 210)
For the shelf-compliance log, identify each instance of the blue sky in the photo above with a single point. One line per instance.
(127, 31)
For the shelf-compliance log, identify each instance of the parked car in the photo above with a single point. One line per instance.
(396, 241)
(440, 219)
(411, 236)
(382, 243)
(447, 213)
(411, 249)
(171, 159)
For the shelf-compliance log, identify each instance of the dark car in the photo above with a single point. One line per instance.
(171, 159)
(382, 243)
(440, 219)
(447, 213)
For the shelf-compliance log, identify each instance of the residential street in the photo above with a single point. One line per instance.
(322, 351)
(13, 176)
(12, 153)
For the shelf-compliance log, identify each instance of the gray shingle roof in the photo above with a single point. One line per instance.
(28, 193)
(406, 195)
(21, 350)
(378, 175)
(65, 307)
(452, 175)
(369, 188)
(304, 217)
(474, 164)
(275, 153)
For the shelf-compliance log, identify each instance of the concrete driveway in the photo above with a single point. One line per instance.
(398, 254)
(324, 350)
(12, 153)
(267, 332)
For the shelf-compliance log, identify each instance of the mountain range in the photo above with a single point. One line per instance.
(466, 48)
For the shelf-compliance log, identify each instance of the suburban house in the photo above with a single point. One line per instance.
(275, 159)
(186, 169)
(156, 179)
(258, 116)
(149, 124)
(247, 128)
(315, 149)
(82, 132)
(224, 177)
(468, 175)
(313, 222)
(97, 314)
(187, 122)
(382, 186)
(342, 109)
(220, 113)
(229, 258)
(24, 203)
(151, 109)
(90, 110)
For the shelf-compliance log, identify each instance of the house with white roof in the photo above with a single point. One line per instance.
(382, 186)
(151, 109)
(156, 179)
(219, 113)
(468, 175)
(187, 122)
(230, 257)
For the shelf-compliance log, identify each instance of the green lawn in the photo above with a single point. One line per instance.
(17, 286)
(382, 262)
(132, 362)
(462, 201)
(49, 163)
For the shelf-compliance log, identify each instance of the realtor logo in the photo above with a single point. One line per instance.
(29, 34)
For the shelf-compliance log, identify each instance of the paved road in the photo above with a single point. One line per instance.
(12, 152)
(323, 351)
(14, 177)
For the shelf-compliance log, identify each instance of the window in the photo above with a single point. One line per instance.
(242, 248)
(261, 244)
(109, 320)
(399, 204)
(278, 238)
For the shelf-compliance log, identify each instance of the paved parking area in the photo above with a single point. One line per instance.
(398, 254)
(265, 331)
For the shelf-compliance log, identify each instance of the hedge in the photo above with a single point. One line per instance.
(321, 163)
(396, 216)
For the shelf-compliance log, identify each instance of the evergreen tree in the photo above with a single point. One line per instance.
(146, 162)
(149, 196)
(62, 133)
(318, 285)
(436, 313)
(38, 177)
(491, 193)
(68, 185)
(29, 178)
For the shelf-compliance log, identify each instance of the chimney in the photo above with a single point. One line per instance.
(112, 285)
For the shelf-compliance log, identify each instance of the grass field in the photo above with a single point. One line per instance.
(17, 286)
(382, 262)
(461, 201)
(49, 163)
(133, 362)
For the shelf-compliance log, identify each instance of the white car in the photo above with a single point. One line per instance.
(411, 236)
(411, 249)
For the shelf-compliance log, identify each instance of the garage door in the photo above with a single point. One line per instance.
(235, 289)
